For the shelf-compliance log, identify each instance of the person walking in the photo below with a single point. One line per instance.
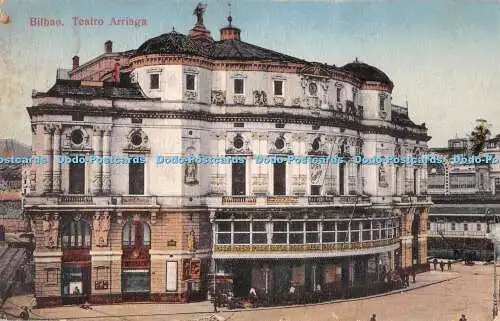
(449, 265)
(413, 274)
(435, 262)
(374, 317)
(441, 265)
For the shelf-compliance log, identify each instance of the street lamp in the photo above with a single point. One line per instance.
(492, 235)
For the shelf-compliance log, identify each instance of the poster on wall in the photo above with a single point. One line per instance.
(172, 276)
(75, 288)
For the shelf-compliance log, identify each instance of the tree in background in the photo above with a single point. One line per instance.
(478, 136)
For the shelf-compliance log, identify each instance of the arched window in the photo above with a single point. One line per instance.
(75, 233)
(136, 233)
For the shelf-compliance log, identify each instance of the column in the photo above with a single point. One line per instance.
(422, 236)
(56, 174)
(96, 174)
(406, 237)
(47, 152)
(106, 176)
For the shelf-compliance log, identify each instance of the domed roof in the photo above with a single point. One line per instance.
(171, 43)
(367, 73)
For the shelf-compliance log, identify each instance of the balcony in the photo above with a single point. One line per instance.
(288, 200)
(406, 199)
(75, 199)
(319, 247)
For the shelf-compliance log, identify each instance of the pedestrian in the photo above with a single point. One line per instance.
(407, 279)
(25, 315)
(463, 318)
(413, 274)
(374, 317)
(435, 262)
(441, 265)
(449, 265)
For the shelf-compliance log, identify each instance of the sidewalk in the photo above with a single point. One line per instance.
(188, 311)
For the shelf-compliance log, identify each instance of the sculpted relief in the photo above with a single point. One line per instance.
(51, 230)
(101, 229)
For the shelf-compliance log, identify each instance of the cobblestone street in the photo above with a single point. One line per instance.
(439, 296)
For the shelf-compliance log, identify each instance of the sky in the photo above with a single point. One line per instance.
(441, 55)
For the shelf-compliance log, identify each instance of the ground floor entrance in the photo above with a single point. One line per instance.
(334, 277)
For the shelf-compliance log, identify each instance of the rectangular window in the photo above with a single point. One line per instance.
(478, 227)
(259, 234)
(77, 178)
(239, 86)
(453, 226)
(278, 88)
(315, 189)
(466, 227)
(190, 82)
(279, 232)
(339, 92)
(382, 103)
(279, 175)
(312, 235)
(136, 281)
(136, 179)
(238, 179)
(154, 81)
(171, 276)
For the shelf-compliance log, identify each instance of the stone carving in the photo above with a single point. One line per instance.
(190, 174)
(239, 99)
(382, 114)
(312, 102)
(190, 95)
(279, 143)
(296, 102)
(279, 101)
(106, 183)
(198, 12)
(316, 174)
(237, 144)
(218, 97)
(259, 98)
(51, 230)
(137, 140)
(382, 176)
(47, 182)
(101, 228)
(191, 241)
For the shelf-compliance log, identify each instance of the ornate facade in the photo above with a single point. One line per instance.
(141, 230)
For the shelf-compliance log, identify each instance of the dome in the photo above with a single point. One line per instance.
(171, 43)
(367, 73)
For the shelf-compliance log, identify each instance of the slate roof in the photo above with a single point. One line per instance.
(404, 120)
(367, 72)
(171, 43)
(74, 88)
(240, 50)
(177, 43)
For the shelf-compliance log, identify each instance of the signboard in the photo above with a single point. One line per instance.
(195, 269)
(171, 276)
(186, 269)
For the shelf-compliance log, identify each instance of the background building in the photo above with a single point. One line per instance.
(113, 232)
(466, 203)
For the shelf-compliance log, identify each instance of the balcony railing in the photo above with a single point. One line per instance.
(239, 200)
(75, 199)
(457, 234)
(245, 248)
(284, 200)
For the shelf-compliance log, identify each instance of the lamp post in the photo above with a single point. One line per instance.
(492, 236)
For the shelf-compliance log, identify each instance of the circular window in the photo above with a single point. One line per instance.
(238, 142)
(279, 143)
(313, 88)
(136, 139)
(315, 144)
(77, 137)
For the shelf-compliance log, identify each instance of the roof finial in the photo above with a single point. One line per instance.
(173, 28)
(356, 59)
(229, 17)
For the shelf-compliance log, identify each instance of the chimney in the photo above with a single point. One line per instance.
(76, 62)
(108, 46)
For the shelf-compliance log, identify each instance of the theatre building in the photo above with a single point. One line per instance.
(147, 231)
